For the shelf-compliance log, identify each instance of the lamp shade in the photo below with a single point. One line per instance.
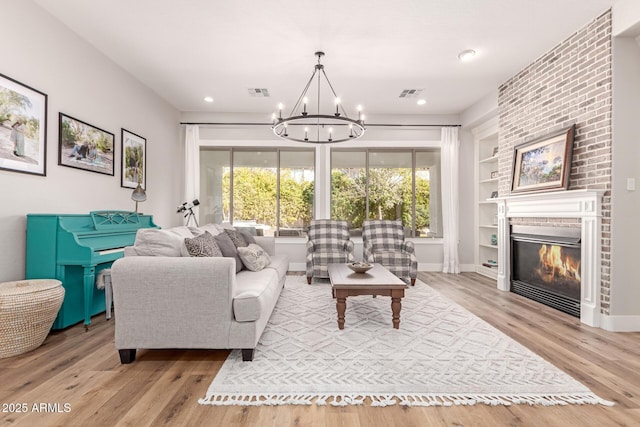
(139, 194)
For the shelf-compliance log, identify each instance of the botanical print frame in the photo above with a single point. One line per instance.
(544, 163)
(84, 146)
(134, 160)
(23, 128)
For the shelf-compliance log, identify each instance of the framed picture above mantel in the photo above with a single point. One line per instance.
(543, 164)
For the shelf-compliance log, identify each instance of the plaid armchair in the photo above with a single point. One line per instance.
(328, 243)
(384, 243)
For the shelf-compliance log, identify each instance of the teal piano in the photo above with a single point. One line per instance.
(74, 249)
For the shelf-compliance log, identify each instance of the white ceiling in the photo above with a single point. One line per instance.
(188, 49)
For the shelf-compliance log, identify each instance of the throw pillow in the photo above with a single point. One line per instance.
(254, 257)
(228, 249)
(157, 242)
(203, 246)
(236, 238)
(248, 238)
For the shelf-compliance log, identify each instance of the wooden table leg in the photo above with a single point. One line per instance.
(396, 306)
(341, 306)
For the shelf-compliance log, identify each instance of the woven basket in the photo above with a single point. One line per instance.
(27, 311)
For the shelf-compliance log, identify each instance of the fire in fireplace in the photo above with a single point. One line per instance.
(545, 266)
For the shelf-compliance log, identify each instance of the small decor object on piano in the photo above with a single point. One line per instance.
(134, 160)
(83, 146)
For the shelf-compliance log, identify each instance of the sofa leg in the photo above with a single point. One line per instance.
(413, 282)
(309, 280)
(247, 354)
(127, 356)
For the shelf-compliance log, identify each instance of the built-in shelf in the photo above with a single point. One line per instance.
(493, 159)
(484, 245)
(490, 180)
(486, 209)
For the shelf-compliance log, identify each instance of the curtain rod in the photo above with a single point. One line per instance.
(270, 124)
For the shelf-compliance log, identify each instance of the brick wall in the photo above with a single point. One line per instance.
(569, 84)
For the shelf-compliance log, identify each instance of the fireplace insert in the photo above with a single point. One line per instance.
(545, 266)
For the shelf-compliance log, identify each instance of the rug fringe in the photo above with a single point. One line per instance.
(382, 400)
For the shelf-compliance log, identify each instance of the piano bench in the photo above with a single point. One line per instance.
(103, 281)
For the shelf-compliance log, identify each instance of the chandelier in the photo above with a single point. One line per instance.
(304, 126)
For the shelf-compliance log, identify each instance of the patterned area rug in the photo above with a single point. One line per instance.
(442, 355)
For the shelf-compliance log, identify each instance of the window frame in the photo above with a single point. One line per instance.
(232, 150)
(368, 150)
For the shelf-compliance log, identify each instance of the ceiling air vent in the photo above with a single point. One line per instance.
(259, 93)
(410, 93)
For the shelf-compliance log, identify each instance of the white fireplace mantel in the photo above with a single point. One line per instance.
(583, 204)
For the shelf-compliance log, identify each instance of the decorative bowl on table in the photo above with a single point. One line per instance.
(360, 267)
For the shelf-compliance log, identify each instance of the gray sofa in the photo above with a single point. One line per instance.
(164, 299)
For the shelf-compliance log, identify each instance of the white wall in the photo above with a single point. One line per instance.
(42, 53)
(626, 18)
(625, 233)
(428, 251)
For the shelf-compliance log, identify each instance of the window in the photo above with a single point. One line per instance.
(269, 192)
(385, 184)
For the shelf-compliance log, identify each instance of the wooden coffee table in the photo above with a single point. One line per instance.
(377, 281)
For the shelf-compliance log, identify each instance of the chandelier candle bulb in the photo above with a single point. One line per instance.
(304, 112)
(280, 107)
(337, 107)
(306, 130)
(330, 132)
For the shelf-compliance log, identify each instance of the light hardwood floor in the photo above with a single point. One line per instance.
(162, 387)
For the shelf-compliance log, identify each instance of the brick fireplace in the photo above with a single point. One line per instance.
(584, 206)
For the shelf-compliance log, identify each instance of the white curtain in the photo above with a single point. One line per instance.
(450, 199)
(192, 165)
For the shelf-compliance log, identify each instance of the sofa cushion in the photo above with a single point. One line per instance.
(229, 249)
(157, 242)
(254, 257)
(255, 291)
(279, 263)
(203, 246)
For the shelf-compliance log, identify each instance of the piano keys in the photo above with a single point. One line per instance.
(74, 248)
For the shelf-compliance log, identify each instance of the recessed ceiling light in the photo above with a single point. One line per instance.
(466, 55)
(422, 101)
(208, 99)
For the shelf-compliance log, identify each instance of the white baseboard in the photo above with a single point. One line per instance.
(297, 266)
(301, 266)
(464, 268)
(620, 323)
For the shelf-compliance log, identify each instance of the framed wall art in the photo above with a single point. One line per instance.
(23, 128)
(134, 160)
(84, 146)
(544, 163)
